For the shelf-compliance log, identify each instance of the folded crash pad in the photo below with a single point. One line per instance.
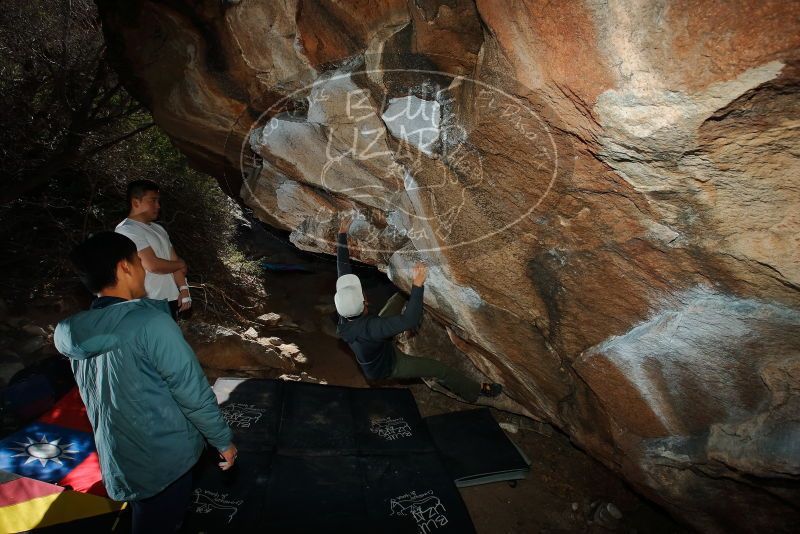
(475, 449)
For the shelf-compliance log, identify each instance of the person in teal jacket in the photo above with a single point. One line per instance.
(149, 404)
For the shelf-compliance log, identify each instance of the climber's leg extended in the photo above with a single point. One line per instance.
(416, 367)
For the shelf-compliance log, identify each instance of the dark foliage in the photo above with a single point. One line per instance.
(71, 140)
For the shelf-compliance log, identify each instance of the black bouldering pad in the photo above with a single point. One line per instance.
(252, 408)
(474, 448)
(414, 494)
(407, 493)
(320, 419)
(318, 458)
(232, 500)
(317, 418)
(387, 421)
(316, 494)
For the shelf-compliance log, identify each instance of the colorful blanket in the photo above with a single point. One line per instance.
(49, 471)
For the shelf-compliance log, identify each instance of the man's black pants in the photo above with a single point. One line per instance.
(163, 512)
(173, 309)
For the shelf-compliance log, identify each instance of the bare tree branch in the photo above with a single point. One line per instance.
(119, 139)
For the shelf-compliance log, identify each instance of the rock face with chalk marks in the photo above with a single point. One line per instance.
(607, 195)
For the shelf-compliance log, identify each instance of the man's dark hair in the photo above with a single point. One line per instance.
(96, 259)
(138, 188)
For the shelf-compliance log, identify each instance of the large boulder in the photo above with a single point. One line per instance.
(608, 195)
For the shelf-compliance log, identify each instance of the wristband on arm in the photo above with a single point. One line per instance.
(184, 300)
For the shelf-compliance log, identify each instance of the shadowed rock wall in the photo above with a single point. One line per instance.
(607, 194)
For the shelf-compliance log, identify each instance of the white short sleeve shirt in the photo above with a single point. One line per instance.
(158, 286)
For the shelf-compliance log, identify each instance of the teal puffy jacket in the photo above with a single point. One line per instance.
(148, 400)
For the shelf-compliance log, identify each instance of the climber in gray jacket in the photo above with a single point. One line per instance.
(371, 336)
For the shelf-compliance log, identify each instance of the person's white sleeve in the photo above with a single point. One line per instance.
(140, 240)
(164, 233)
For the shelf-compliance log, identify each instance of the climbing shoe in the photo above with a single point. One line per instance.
(491, 389)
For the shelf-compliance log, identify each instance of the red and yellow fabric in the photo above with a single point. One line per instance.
(27, 504)
(50, 473)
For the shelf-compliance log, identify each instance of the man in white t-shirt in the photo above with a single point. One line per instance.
(165, 277)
